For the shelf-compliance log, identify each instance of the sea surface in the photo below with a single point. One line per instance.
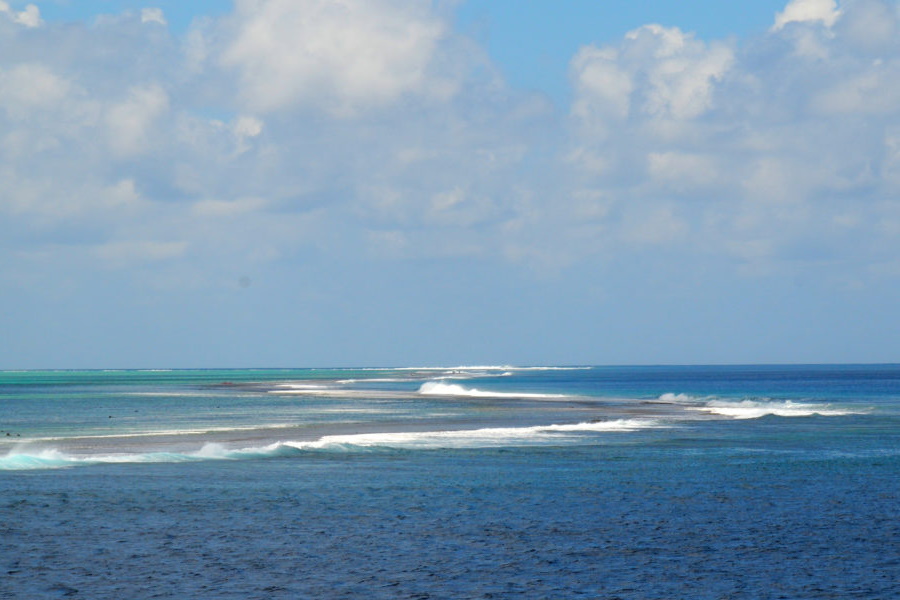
(724, 482)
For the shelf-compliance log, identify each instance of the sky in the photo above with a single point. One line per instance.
(323, 183)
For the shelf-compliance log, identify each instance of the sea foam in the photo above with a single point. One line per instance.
(52, 458)
(24, 459)
(678, 398)
(476, 438)
(439, 388)
(754, 409)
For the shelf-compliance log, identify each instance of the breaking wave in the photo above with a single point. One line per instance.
(478, 438)
(439, 388)
(56, 459)
(678, 398)
(411, 440)
(754, 409)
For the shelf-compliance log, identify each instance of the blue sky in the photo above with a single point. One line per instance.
(348, 183)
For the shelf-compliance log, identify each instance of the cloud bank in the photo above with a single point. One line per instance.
(352, 132)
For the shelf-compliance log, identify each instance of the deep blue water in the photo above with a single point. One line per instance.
(641, 482)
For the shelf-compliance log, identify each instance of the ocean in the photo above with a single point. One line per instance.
(700, 482)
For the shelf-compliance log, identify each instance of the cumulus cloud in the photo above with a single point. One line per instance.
(604, 88)
(657, 72)
(339, 55)
(680, 72)
(26, 88)
(358, 128)
(130, 121)
(153, 15)
(807, 11)
(30, 17)
(784, 139)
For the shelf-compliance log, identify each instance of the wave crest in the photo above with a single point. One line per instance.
(440, 388)
(754, 409)
(677, 398)
(362, 442)
(476, 438)
(52, 458)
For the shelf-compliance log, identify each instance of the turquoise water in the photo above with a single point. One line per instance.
(467, 482)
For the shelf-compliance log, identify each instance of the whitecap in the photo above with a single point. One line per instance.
(439, 388)
(677, 398)
(476, 438)
(52, 458)
(754, 409)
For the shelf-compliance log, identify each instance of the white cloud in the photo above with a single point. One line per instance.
(705, 146)
(662, 72)
(153, 15)
(247, 127)
(681, 79)
(771, 153)
(30, 17)
(130, 121)
(805, 11)
(338, 55)
(43, 201)
(603, 87)
(25, 88)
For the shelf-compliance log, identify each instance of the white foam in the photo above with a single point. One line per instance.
(367, 394)
(438, 388)
(43, 459)
(551, 368)
(478, 368)
(167, 394)
(678, 398)
(372, 380)
(753, 409)
(476, 438)
(301, 386)
(51, 458)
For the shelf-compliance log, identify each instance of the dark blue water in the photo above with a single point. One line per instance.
(706, 506)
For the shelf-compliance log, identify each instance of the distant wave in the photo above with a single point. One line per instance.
(479, 368)
(475, 438)
(678, 398)
(339, 392)
(55, 459)
(24, 459)
(439, 388)
(754, 409)
(458, 368)
(372, 380)
(301, 386)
